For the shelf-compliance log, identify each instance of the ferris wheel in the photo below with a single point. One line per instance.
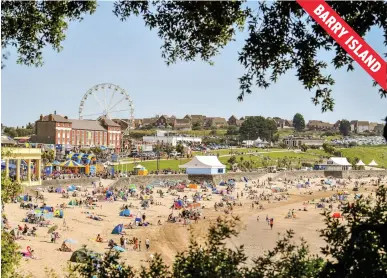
(107, 100)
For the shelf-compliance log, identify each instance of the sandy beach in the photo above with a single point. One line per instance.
(168, 238)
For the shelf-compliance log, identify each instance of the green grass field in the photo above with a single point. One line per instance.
(366, 154)
(152, 165)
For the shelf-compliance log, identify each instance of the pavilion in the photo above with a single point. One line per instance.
(204, 165)
(28, 155)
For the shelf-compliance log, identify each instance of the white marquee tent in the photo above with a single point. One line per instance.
(360, 163)
(338, 164)
(204, 165)
(373, 163)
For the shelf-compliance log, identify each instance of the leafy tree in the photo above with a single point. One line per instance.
(168, 149)
(357, 247)
(232, 160)
(10, 256)
(298, 122)
(180, 148)
(9, 189)
(196, 126)
(48, 156)
(345, 127)
(213, 130)
(18, 132)
(279, 37)
(30, 126)
(10, 131)
(32, 25)
(108, 266)
(254, 127)
(304, 147)
(232, 130)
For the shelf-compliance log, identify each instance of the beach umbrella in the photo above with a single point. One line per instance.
(119, 249)
(71, 241)
(56, 162)
(52, 229)
(71, 164)
(49, 165)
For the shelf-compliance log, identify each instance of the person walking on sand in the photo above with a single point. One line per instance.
(258, 218)
(147, 244)
(271, 223)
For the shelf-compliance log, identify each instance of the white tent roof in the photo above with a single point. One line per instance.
(373, 163)
(203, 162)
(340, 161)
(139, 166)
(360, 163)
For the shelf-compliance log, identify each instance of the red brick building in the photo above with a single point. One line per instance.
(55, 129)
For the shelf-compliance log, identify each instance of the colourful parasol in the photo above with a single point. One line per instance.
(72, 164)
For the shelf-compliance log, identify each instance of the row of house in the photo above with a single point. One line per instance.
(185, 123)
(189, 121)
(356, 126)
(60, 130)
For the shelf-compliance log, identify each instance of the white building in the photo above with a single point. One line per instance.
(338, 164)
(204, 165)
(255, 143)
(163, 137)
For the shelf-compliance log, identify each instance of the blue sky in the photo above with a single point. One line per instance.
(103, 49)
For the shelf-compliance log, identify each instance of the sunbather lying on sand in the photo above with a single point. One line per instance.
(65, 248)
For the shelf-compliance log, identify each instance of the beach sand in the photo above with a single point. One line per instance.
(168, 238)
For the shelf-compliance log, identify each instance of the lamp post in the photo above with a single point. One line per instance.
(157, 160)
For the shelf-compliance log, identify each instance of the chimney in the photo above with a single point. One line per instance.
(50, 118)
(41, 117)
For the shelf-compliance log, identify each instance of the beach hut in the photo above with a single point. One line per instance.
(125, 212)
(118, 229)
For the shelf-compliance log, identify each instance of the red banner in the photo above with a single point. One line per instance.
(347, 38)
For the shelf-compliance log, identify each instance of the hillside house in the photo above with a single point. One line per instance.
(196, 119)
(215, 122)
(234, 121)
(182, 124)
(148, 122)
(282, 123)
(359, 126)
(296, 142)
(319, 125)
